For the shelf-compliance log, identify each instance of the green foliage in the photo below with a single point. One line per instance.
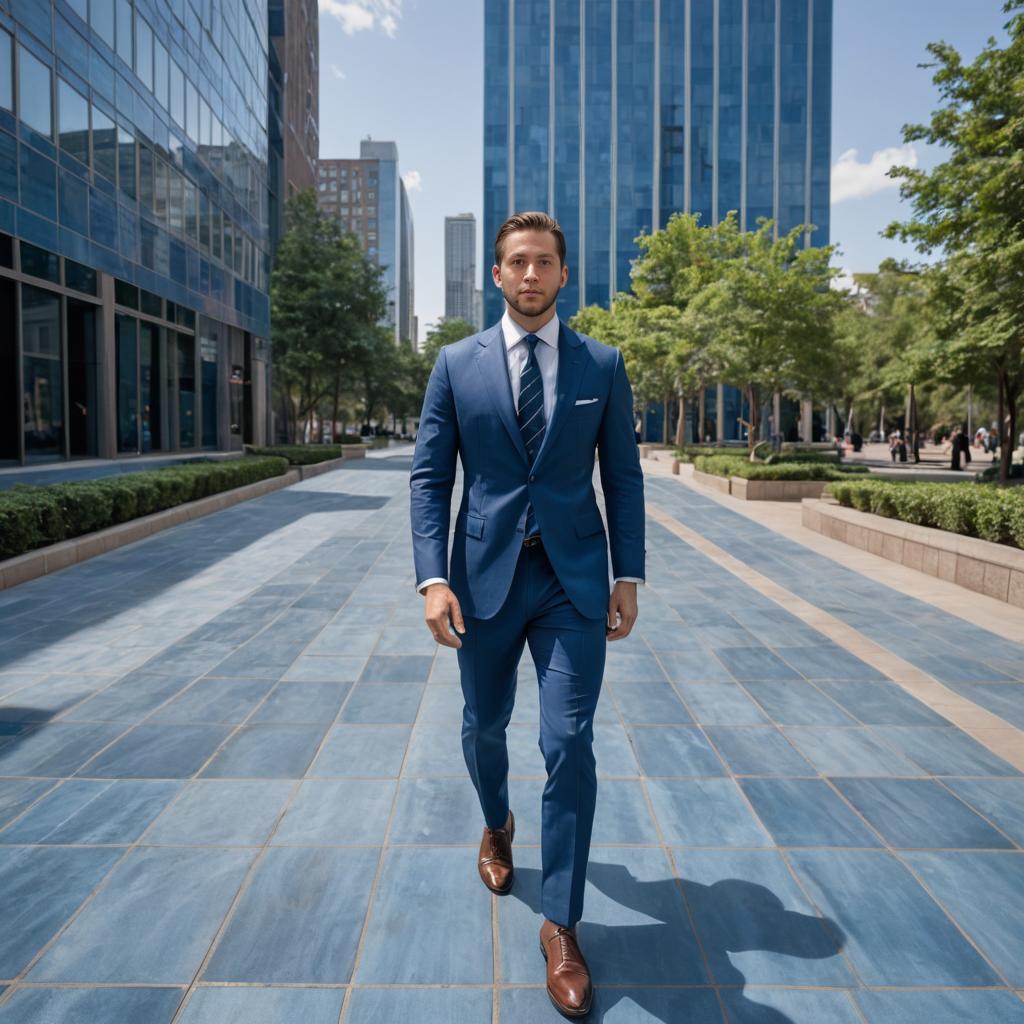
(755, 309)
(985, 511)
(970, 209)
(803, 456)
(734, 465)
(326, 298)
(32, 517)
(307, 454)
(444, 333)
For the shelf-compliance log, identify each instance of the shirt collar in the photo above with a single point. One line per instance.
(513, 333)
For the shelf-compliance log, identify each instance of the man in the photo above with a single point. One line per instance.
(524, 405)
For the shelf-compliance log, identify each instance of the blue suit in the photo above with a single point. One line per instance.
(553, 596)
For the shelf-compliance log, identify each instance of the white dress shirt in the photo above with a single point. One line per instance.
(517, 351)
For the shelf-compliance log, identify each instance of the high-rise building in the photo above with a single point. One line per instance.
(134, 232)
(293, 93)
(460, 267)
(478, 308)
(368, 198)
(614, 114)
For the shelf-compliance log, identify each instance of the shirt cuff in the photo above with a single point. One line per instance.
(426, 583)
(629, 579)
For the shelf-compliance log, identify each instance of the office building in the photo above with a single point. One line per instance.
(293, 94)
(460, 267)
(368, 198)
(614, 114)
(134, 241)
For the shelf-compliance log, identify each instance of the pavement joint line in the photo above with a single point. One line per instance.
(296, 788)
(978, 723)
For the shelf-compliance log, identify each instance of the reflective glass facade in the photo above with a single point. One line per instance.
(368, 198)
(133, 156)
(614, 114)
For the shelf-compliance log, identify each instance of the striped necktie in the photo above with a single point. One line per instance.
(531, 415)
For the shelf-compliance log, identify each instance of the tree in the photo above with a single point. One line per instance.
(769, 317)
(325, 296)
(374, 373)
(444, 333)
(970, 209)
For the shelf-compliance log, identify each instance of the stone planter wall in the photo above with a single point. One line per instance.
(995, 570)
(761, 490)
(776, 490)
(716, 483)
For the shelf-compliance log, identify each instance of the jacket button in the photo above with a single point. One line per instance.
(532, 478)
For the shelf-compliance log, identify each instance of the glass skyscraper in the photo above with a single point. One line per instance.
(368, 198)
(134, 242)
(614, 114)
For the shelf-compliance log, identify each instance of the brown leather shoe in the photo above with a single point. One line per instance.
(569, 986)
(495, 863)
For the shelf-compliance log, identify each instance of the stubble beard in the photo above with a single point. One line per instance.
(511, 300)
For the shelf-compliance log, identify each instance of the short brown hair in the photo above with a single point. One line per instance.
(530, 221)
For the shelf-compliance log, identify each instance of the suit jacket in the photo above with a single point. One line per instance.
(468, 413)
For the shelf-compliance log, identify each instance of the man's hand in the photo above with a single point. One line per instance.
(442, 607)
(622, 610)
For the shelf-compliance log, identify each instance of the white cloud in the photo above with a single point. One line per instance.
(413, 181)
(362, 15)
(852, 179)
(337, 72)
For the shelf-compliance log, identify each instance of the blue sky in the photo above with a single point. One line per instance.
(412, 71)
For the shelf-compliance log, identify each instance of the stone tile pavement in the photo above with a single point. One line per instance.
(232, 790)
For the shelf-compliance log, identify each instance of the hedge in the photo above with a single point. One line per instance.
(990, 513)
(304, 454)
(690, 454)
(726, 465)
(32, 517)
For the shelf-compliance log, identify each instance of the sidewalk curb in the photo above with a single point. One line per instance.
(43, 561)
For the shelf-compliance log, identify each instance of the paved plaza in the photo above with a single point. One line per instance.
(232, 788)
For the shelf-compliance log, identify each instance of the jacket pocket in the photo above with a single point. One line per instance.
(470, 525)
(589, 523)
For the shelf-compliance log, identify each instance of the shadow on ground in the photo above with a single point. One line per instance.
(734, 915)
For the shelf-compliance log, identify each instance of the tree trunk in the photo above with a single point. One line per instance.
(881, 421)
(334, 407)
(1005, 441)
(667, 402)
(755, 413)
(701, 412)
(681, 422)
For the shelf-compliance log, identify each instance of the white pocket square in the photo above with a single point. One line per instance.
(586, 401)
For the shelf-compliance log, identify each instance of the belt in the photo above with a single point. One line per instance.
(532, 541)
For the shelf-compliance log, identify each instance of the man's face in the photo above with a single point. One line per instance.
(530, 274)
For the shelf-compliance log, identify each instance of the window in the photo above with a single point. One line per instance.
(73, 121)
(82, 279)
(177, 94)
(40, 263)
(101, 18)
(34, 104)
(192, 96)
(126, 162)
(42, 373)
(124, 31)
(160, 60)
(144, 52)
(104, 144)
(6, 72)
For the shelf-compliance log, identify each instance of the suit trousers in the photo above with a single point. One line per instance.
(569, 653)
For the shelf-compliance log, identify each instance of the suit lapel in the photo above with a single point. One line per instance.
(570, 374)
(492, 362)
